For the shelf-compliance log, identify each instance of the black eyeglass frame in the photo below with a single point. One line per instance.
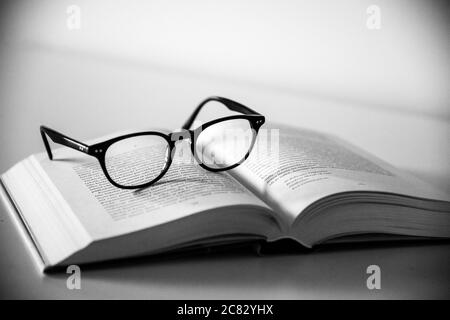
(98, 150)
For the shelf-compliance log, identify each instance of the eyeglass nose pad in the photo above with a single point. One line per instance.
(166, 158)
(180, 135)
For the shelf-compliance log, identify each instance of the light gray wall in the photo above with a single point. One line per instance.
(319, 48)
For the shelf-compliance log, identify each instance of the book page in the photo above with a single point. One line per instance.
(106, 210)
(302, 166)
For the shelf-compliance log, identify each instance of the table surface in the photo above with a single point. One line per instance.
(88, 96)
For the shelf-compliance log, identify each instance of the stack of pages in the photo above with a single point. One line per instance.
(311, 187)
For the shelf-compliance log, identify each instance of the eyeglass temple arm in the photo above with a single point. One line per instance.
(230, 104)
(61, 139)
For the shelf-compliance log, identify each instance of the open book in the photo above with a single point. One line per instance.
(311, 187)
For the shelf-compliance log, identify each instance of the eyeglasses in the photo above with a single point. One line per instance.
(138, 160)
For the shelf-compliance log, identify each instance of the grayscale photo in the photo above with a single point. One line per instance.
(225, 159)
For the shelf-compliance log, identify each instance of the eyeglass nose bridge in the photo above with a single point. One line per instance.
(183, 134)
(179, 136)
